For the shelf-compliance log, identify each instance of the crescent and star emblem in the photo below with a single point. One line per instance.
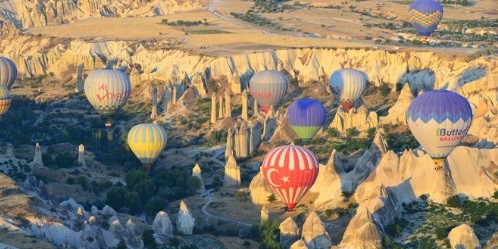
(285, 179)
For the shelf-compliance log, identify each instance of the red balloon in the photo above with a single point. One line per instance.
(290, 171)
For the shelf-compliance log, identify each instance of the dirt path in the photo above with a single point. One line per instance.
(210, 216)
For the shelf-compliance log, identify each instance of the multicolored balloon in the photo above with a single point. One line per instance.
(425, 15)
(107, 90)
(347, 85)
(439, 120)
(268, 87)
(8, 72)
(147, 141)
(5, 100)
(290, 171)
(306, 117)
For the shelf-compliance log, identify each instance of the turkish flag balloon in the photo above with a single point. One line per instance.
(290, 171)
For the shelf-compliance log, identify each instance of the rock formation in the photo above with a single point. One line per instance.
(264, 214)
(328, 182)
(235, 84)
(135, 239)
(463, 236)
(314, 233)
(79, 79)
(255, 108)
(81, 155)
(242, 145)
(245, 115)
(229, 148)
(10, 151)
(259, 189)
(270, 125)
(362, 232)
(196, 171)
(228, 104)
(213, 108)
(221, 111)
(153, 93)
(289, 232)
(232, 173)
(198, 83)
(359, 119)
(185, 222)
(397, 113)
(162, 224)
(300, 244)
(37, 160)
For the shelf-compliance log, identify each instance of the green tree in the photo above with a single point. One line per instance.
(121, 245)
(270, 235)
(149, 240)
(193, 184)
(115, 197)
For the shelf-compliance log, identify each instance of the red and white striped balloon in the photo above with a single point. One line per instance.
(290, 171)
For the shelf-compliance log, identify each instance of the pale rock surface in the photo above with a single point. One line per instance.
(108, 211)
(135, 240)
(314, 233)
(360, 119)
(186, 222)
(289, 232)
(228, 104)
(10, 151)
(463, 237)
(412, 175)
(300, 244)
(116, 233)
(269, 125)
(245, 113)
(328, 182)
(229, 150)
(362, 232)
(232, 173)
(264, 214)
(162, 224)
(196, 171)
(259, 189)
(397, 113)
(213, 108)
(81, 155)
(38, 155)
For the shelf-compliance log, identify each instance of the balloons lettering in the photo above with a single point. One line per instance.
(439, 120)
(268, 87)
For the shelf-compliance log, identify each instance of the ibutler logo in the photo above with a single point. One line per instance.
(262, 95)
(108, 95)
(451, 135)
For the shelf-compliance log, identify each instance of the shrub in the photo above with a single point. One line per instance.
(272, 198)
(454, 201)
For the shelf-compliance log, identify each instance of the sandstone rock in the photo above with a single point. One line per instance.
(463, 237)
(264, 214)
(245, 115)
(229, 150)
(228, 104)
(162, 224)
(328, 182)
(108, 211)
(289, 232)
(10, 151)
(135, 240)
(362, 232)
(359, 119)
(186, 222)
(37, 160)
(397, 113)
(213, 108)
(300, 244)
(81, 155)
(314, 233)
(259, 189)
(117, 233)
(232, 173)
(196, 171)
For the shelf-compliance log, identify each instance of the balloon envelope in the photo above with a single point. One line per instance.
(8, 72)
(347, 85)
(290, 171)
(439, 120)
(268, 87)
(107, 90)
(147, 141)
(5, 100)
(306, 117)
(425, 15)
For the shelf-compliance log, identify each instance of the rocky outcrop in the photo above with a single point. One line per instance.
(289, 232)
(81, 155)
(300, 244)
(314, 233)
(264, 214)
(357, 118)
(135, 240)
(407, 175)
(259, 189)
(397, 113)
(328, 182)
(37, 160)
(463, 237)
(362, 232)
(162, 224)
(25, 14)
(196, 172)
(232, 173)
(185, 222)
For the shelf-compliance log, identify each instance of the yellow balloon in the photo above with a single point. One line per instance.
(147, 141)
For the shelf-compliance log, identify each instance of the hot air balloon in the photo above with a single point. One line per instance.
(268, 87)
(8, 72)
(147, 141)
(107, 90)
(425, 15)
(290, 171)
(5, 100)
(306, 117)
(347, 85)
(439, 120)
